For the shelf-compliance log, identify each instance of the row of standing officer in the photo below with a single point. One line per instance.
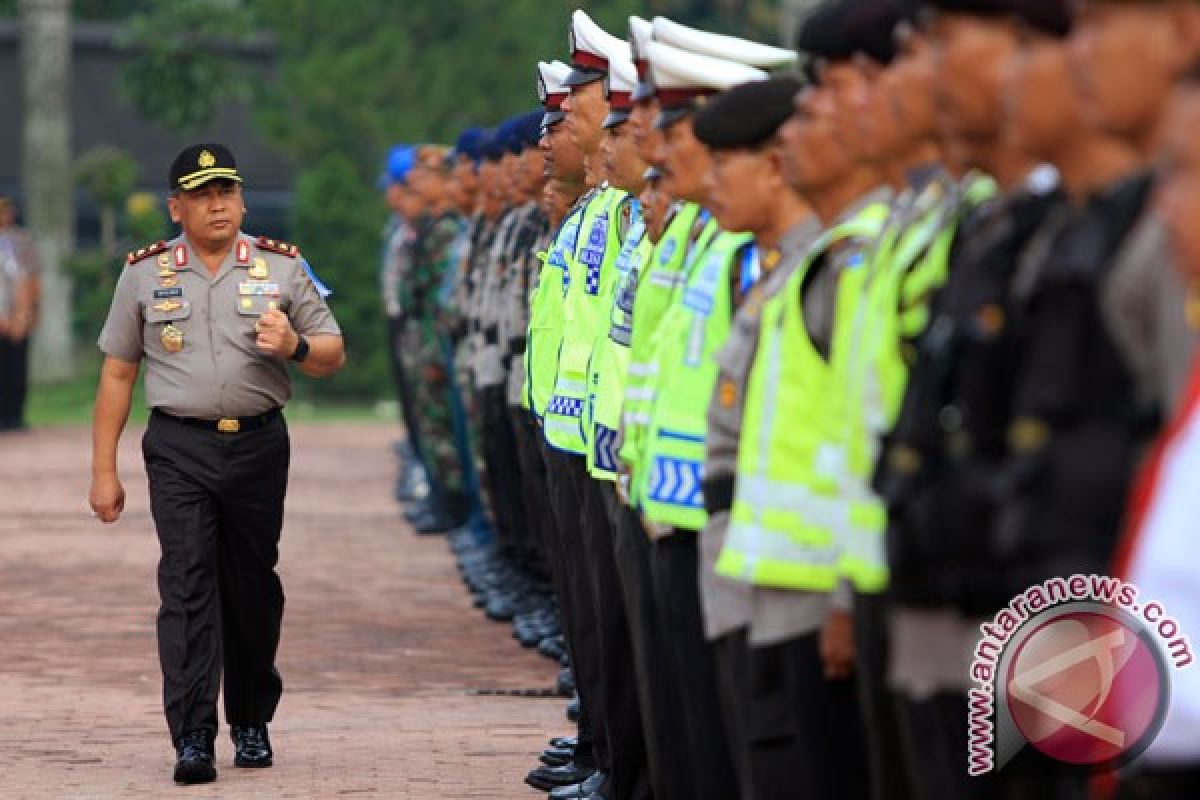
(822, 387)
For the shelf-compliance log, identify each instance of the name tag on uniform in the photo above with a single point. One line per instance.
(175, 292)
(258, 289)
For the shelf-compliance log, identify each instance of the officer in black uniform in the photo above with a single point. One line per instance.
(216, 315)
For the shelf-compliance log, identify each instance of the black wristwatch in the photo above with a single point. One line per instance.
(301, 351)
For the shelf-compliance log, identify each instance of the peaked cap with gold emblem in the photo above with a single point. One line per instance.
(200, 163)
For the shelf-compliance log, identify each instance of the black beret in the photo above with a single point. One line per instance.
(871, 26)
(1050, 16)
(747, 115)
(839, 29)
(199, 164)
(980, 7)
(823, 32)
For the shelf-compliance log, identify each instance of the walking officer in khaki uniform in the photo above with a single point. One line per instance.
(216, 315)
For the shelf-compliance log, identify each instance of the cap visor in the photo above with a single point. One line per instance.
(582, 76)
(669, 116)
(551, 118)
(196, 183)
(615, 118)
(643, 92)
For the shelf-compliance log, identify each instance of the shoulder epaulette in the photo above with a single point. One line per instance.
(276, 246)
(145, 252)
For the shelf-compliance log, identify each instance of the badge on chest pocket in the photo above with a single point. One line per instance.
(166, 316)
(257, 305)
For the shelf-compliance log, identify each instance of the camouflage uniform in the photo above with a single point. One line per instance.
(434, 388)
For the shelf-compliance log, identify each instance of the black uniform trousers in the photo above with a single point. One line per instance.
(658, 691)
(14, 381)
(577, 605)
(539, 518)
(890, 779)
(630, 777)
(794, 733)
(217, 502)
(935, 741)
(404, 390)
(675, 564)
(504, 473)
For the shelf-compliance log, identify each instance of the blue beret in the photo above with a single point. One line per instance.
(399, 162)
(528, 130)
(493, 145)
(468, 144)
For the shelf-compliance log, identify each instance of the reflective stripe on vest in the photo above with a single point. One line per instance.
(589, 287)
(910, 265)
(662, 276)
(695, 326)
(786, 506)
(610, 358)
(546, 314)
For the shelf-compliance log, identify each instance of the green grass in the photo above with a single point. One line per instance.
(70, 403)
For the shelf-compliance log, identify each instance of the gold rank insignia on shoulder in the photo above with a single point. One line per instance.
(770, 259)
(143, 253)
(172, 339)
(276, 246)
(259, 271)
(167, 306)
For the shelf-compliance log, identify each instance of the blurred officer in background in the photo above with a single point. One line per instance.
(20, 289)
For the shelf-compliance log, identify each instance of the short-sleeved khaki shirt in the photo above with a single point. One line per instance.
(217, 371)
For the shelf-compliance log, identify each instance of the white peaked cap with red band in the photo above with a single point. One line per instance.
(552, 89)
(592, 50)
(718, 45)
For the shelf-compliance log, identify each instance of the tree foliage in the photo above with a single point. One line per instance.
(339, 221)
(181, 71)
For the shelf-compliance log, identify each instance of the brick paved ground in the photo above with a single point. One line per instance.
(380, 646)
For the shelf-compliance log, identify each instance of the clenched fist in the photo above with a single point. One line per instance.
(276, 337)
(107, 497)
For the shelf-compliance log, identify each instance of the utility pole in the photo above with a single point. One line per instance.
(46, 173)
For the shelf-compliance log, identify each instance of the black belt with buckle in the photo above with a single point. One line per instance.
(225, 424)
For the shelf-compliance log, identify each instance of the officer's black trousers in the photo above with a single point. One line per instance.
(217, 502)
(936, 746)
(630, 778)
(675, 562)
(564, 474)
(504, 473)
(794, 733)
(403, 379)
(539, 517)
(881, 722)
(14, 381)
(659, 695)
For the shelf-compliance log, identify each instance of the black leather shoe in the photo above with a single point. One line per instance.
(436, 521)
(252, 745)
(553, 647)
(580, 791)
(547, 778)
(195, 758)
(557, 756)
(564, 684)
